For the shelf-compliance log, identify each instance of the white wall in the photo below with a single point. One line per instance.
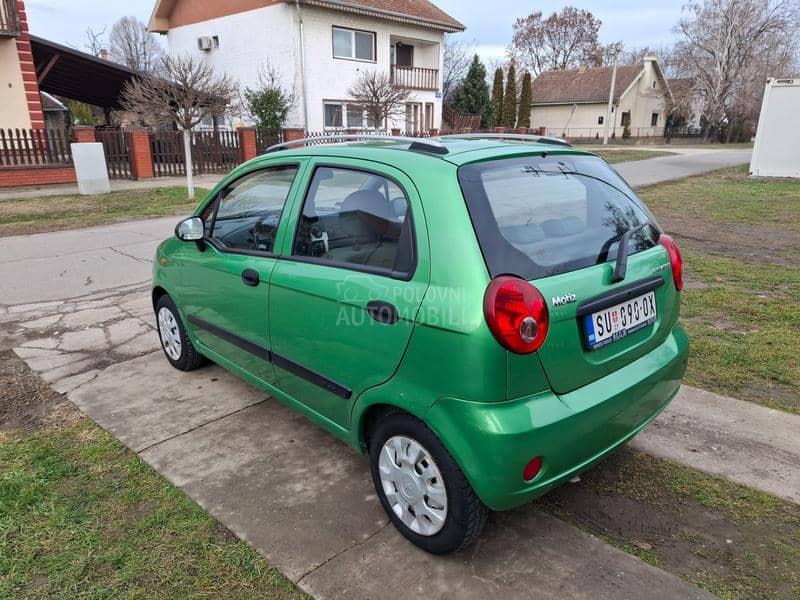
(247, 40)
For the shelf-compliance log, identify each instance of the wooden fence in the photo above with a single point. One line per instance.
(34, 147)
(116, 146)
(266, 138)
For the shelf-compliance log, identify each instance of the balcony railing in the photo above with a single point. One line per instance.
(9, 19)
(415, 78)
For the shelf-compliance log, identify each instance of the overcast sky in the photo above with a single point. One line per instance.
(488, 23)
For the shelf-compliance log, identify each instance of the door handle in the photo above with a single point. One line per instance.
(250, 277)
(382, 312)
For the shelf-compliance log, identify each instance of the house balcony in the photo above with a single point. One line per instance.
(9, 19)
(415, 78)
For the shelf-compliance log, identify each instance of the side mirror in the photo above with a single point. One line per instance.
(190, 230)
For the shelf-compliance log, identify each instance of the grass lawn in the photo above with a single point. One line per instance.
(36, 215)
(618, 156)
(733, 541)
(82, 516)
(741, 241)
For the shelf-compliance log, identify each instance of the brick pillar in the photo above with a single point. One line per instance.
(247, 143)
(434, 132)
(292, 133)
(83, 134)
(29, 78)
(141, 154)
(396, 131)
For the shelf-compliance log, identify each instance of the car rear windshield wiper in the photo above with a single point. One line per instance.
(621, 268)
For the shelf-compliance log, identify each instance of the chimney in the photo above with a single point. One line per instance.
(103, 54)
(582, 69)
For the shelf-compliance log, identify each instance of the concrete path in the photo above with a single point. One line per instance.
(667, 168)
(299, 496)
(117, 185)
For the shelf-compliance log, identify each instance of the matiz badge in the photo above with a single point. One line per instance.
(565, 299)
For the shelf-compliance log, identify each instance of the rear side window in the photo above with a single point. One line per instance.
(356, 219)
(540, 216)
(250, 209)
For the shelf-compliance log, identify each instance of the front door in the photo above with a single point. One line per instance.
(344, 299)
(225, 280)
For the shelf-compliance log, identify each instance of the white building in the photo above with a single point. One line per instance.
(319, 47)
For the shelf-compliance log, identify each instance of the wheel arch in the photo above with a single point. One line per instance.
(157, 293)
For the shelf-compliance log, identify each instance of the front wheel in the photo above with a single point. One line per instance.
(177, 346)
(421, 488)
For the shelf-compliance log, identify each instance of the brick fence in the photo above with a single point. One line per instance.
(137, 156)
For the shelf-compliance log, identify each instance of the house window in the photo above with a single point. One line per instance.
(654, 120)
(600, 120)
(353, 44)
(334, 115)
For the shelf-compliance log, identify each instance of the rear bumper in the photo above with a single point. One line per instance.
(492, 442)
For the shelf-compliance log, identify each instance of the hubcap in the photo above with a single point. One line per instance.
(413, 485)
(170, 334)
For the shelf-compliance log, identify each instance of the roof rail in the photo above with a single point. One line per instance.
(522, 137)
(420, 144)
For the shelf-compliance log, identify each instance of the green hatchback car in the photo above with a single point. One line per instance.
(485, 317)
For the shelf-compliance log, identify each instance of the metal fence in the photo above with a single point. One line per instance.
(34, 147)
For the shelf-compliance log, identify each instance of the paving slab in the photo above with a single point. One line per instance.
(145, 401)
(741, 441)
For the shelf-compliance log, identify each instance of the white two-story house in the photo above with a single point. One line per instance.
(320, 47)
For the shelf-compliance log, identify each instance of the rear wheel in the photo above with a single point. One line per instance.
(177, 347)
(421, 488)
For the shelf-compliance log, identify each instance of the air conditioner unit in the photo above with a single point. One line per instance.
(205, 43)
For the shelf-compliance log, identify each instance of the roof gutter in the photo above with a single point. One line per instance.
(388, 14)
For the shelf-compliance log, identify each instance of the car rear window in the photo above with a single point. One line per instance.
(537, 216)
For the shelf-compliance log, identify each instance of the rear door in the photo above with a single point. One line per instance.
(557, 221)
(344, 299)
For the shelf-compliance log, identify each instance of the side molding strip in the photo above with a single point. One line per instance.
(276, 359)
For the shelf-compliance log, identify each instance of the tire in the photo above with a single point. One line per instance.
(181, 355)
(461, 521)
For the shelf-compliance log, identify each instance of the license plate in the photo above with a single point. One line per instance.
(611, 324)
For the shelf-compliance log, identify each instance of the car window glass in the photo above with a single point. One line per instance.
(356, 218)
(250, 209)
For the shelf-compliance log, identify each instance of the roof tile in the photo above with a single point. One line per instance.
(582, 85)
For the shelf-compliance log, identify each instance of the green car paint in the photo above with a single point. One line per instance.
(492, 409)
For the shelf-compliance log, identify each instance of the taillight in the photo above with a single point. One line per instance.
(675, 259)
(516, 314)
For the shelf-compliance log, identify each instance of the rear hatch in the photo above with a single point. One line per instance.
(558, 221)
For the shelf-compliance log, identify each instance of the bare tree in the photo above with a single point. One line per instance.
(130, 44)
(379, 97)
(455, 63)
(95, 41)
(187, 92)
(563, 40)
(726, 42)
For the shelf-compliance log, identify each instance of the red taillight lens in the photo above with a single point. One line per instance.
(532, 469)
(675, 259)
(516, 314)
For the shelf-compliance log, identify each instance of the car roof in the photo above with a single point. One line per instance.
(399, 154)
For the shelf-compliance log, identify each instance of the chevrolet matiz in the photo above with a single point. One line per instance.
(483, 316)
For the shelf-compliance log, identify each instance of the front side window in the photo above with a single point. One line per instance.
(353, 44)
(540, 216)
(355, 218)
(334, 115)
(250, 209)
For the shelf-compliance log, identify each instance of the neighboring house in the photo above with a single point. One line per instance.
(574, 103)
(20, 103)
(55, 112)
(320, 47)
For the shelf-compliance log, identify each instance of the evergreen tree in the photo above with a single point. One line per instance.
(510, 99)
(472, 96)
(525, 100)
(497, 98)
